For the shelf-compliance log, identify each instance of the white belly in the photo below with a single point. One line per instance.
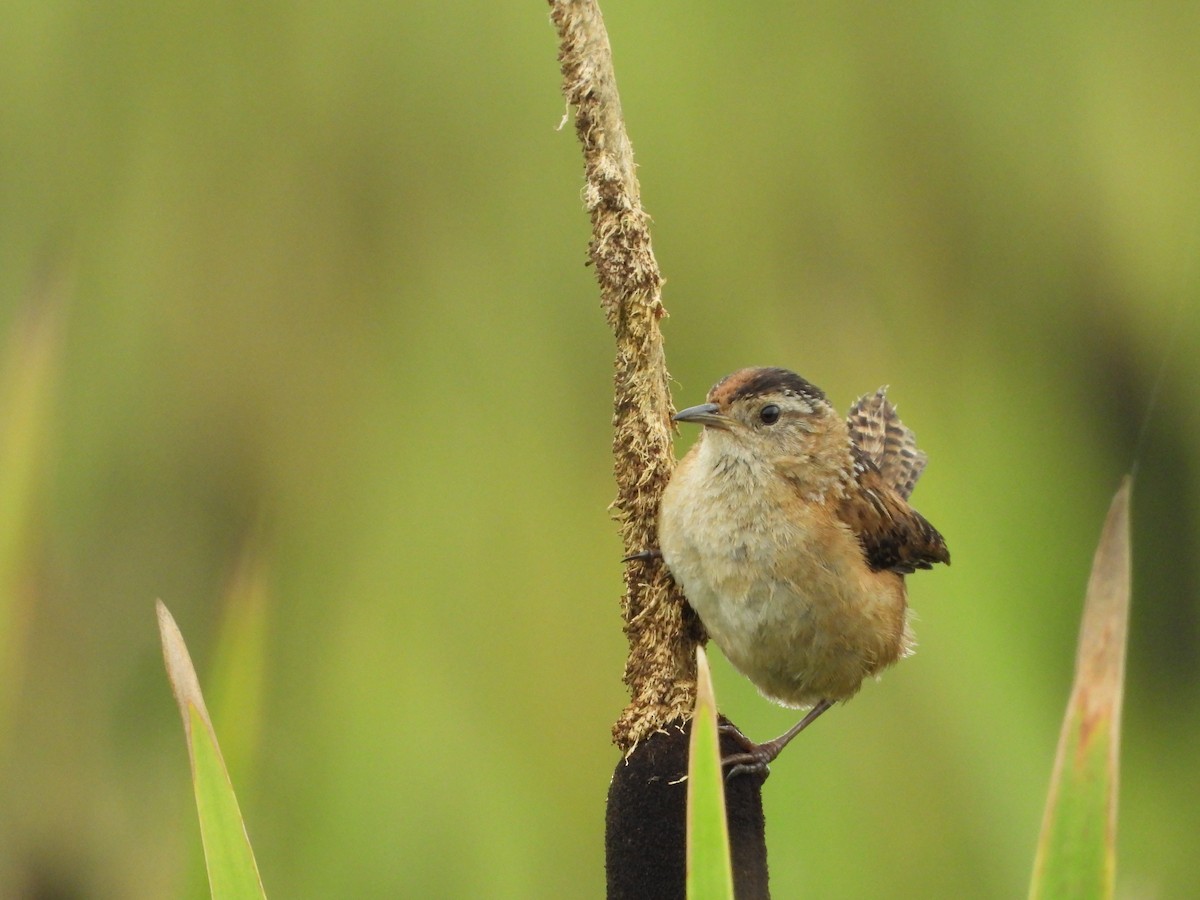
(789, 600)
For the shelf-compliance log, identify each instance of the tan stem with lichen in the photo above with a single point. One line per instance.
(662, 631)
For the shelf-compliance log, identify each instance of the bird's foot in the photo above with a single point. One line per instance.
(753, 761)
(747, 760)
(755, 758)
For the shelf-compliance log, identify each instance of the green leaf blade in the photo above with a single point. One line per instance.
(1076, 854)
(709, 869)
(232, 870)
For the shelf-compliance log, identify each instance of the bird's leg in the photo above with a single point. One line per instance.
(757, 756)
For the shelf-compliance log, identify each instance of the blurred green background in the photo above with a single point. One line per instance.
(298, 337)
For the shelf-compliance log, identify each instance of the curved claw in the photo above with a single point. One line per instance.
(755, 768)
(643, 556)
(736, 734)
(754, 761)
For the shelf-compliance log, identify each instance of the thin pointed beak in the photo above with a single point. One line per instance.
(704, 414)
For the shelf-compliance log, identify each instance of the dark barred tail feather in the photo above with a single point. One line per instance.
(888, 443)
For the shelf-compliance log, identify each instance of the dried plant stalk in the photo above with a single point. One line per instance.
(662, 630)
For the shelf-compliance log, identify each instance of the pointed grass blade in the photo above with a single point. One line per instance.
(709, 870)
(1076, 855)
(232, 871)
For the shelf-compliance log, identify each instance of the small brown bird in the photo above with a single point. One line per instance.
(789, 530)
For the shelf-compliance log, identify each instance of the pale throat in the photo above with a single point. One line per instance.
(820, 467)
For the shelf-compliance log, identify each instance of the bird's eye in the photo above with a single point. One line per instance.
(769, 414)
